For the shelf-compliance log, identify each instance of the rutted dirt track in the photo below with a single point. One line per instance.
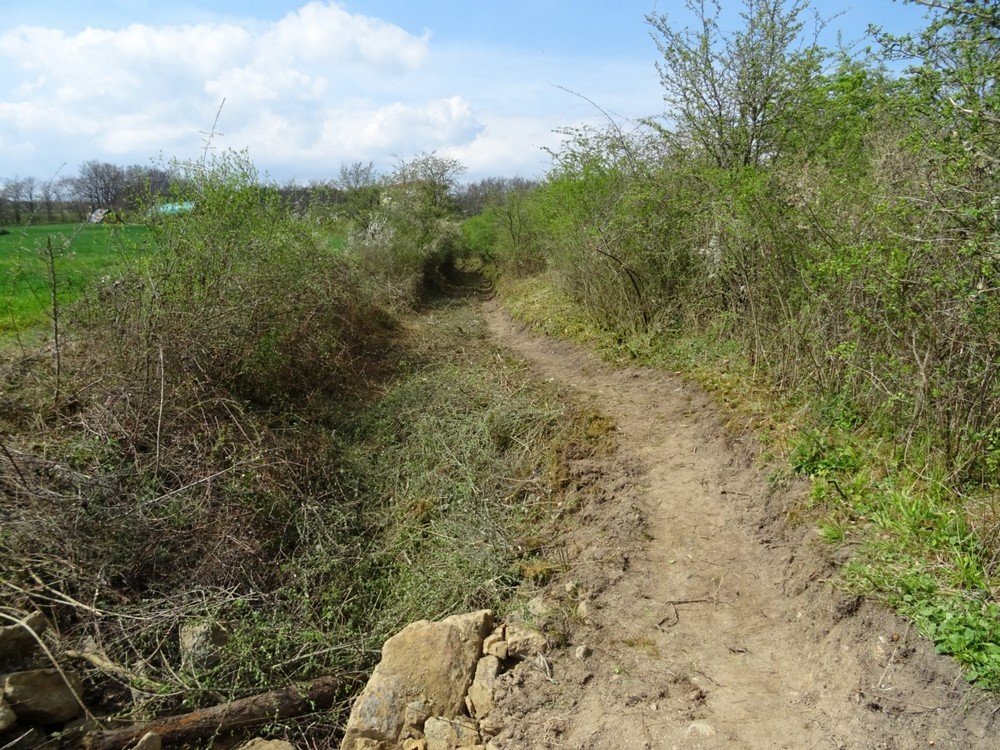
(710, 620)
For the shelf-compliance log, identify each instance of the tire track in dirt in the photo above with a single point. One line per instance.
(717, 629)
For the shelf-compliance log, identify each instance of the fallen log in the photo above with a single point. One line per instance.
(293, 700)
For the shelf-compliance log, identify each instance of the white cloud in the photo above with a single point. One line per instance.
(510, 145)
(323, 33)
(434, 124)
(130, 93)
(359, 130)
(304, 93)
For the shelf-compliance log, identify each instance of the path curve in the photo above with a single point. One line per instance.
(720, 630)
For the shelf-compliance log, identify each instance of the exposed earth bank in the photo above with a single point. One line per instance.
(694, 615)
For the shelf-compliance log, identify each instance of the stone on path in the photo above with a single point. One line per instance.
(42, 696)
(428, 663)
(450, 734)
(17, 644)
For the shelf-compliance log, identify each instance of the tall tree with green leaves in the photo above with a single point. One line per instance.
(955, 71)
(727, 91)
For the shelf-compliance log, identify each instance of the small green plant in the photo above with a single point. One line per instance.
(819, 455)
(833, 531)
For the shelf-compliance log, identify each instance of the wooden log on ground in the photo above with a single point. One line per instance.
(286, 702)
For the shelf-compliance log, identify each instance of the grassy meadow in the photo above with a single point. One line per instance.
(80, 252)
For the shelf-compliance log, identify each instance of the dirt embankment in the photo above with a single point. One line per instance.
(709, 621)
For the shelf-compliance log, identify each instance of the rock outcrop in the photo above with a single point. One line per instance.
(44, 696)
(201, 645)
(480, 697)
(450, 734)
(523, 641)
(18, 641)
(425, 671)
(435, 684)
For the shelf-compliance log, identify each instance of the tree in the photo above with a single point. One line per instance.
(431, 180)
(727, 91)
(956, 74)
(357, 175)
(28, 188)
(50, 194)
(475, 197)
(139, 184)
(100, 184)
(6, 208)
(19, 193)
(410, 236)
(71, 197)
(359, 186)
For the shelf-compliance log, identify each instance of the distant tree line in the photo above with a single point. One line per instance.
(96, 185)
(359, 187)
(355, 192)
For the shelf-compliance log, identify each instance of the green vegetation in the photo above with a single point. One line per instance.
(81, 253)
(270, 413)
(309, 445)
(816, 241)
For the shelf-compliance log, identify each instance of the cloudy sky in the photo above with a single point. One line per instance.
(308, 86)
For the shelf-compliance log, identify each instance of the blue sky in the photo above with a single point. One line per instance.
(311, 85)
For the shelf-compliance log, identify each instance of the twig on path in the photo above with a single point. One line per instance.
(676, 615)
(7, 453)
(888, 666)
(913, 706)
(707, 677)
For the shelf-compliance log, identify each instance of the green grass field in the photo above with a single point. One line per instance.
(82, 252)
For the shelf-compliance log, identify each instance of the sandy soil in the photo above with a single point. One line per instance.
(709, 619)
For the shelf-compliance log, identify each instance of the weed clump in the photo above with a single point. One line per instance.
(246, 435)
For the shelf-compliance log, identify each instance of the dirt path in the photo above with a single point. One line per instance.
(708, 617)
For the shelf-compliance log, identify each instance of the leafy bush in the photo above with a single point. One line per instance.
(239, 298)
(412, 236)
(243, 434)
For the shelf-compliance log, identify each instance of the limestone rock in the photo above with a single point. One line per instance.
(450, 734)
(538, 607)
(500, 650)
(414, 716)
(495, 645)
(583, 652)
(483, 685)
(377, 718)
(7, 717)
(42, 696)
(523, 641)
(17, 643)
(259, 743)
(491, 726)
(492, 641)
(201, 645)
(151, 741)
(432, 663)
(415, 744)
